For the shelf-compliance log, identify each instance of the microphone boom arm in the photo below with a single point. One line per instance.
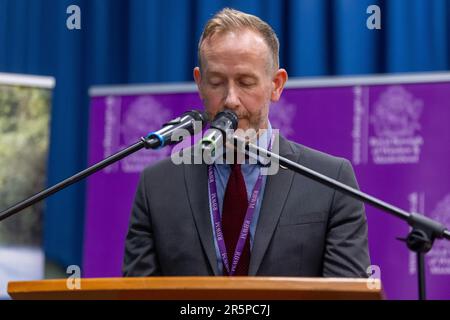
(153, 140)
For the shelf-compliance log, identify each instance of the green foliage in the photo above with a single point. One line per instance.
(24, 135)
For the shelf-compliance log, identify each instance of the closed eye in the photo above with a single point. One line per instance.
(247, 81)
(247, 84)
(215, 85)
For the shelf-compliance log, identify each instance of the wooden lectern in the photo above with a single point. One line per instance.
(199, 288)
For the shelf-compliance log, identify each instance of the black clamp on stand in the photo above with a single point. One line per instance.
(420, 240)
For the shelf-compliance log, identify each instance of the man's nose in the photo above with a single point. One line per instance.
(231, 99)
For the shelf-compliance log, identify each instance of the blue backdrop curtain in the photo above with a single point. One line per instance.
(141, 41)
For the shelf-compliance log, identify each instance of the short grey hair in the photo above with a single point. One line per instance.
(229, 19)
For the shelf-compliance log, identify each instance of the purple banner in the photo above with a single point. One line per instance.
(393, 129)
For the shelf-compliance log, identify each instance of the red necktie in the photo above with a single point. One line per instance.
(235, 205)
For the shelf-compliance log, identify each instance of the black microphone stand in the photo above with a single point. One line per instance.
(148, 142)
(424, 230)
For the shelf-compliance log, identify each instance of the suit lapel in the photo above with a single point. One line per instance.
(275, 195)
(196, 181)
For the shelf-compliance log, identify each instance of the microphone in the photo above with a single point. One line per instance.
(190, 121)
(214, 137)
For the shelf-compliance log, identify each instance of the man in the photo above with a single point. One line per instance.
(189, 219)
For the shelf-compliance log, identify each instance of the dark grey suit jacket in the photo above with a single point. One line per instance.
(304, 228)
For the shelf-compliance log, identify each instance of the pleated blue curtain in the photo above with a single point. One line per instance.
(141, 41)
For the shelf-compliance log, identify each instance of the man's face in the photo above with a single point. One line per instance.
(238, 74)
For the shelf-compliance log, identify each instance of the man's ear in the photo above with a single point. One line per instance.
(278, 82)
(198, 78)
